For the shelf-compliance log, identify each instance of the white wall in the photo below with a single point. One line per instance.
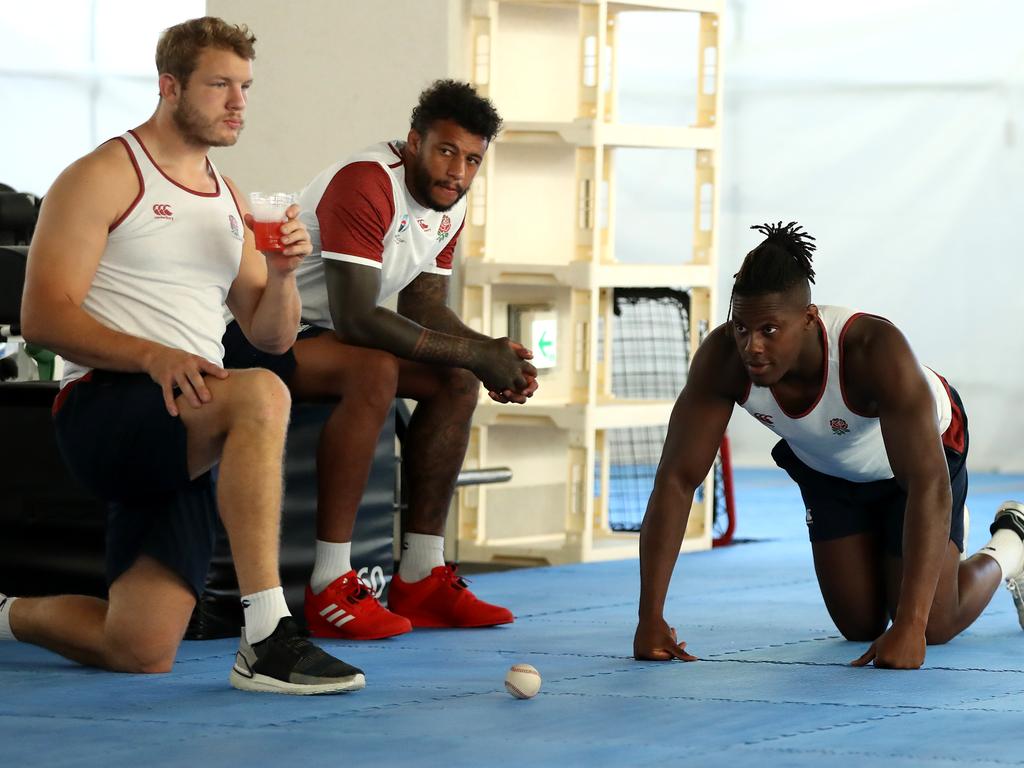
(892, 132)
(891, 129)
(331, 77)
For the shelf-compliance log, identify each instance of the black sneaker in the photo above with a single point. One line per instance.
(1009, 515)
(286, 662)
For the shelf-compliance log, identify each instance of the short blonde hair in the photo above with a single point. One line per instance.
(177, 51)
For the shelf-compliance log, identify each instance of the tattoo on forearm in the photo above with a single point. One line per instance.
(425, 302)
(433, 347)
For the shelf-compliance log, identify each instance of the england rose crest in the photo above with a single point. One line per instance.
(839, 426)
(444, 228)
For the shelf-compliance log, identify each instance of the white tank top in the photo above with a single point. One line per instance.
(830, 436)
(169, 263)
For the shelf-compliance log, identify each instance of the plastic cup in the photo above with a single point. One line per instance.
(268, 214)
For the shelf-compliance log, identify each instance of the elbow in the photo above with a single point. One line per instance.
(935, 492)
(351, 331)
(278, 348)
(944, 502)
(676, 484)
(277, 345)
(33, 330)
(272, 341)
(27, 329)
(671, 491)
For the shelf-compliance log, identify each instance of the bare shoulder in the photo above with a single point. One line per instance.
(870, 339)
(104, 182)
(110, 162)
(879, 366)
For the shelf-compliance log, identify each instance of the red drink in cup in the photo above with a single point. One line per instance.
(268, 216)
(268, 235)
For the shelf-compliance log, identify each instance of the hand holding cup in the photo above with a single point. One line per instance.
(268, 214)
(274, 221)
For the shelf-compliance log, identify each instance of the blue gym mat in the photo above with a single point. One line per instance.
(774, 686)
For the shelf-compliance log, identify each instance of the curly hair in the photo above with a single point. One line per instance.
(459, 102)
(177, 51)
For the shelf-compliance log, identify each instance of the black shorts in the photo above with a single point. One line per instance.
(836, 507)
(118, 440)
(239, 353)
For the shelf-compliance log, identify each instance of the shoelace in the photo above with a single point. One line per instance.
(298, 643)
(362, 590)
(296, 640)
(457, 582)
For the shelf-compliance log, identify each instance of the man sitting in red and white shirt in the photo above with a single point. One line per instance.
(386, 222)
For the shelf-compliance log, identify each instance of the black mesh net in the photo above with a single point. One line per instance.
(650, 339)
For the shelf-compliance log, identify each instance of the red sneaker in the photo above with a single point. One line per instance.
(443, 600)
(347, 610)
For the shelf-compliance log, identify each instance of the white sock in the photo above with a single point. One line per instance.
(332, 560)
(1007, 549)
(421, 553)
(263, 610)
(5, 617)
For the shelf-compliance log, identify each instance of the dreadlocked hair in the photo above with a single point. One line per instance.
(782, 260)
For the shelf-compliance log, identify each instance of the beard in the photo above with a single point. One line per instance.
(198, 130)
(423, 186)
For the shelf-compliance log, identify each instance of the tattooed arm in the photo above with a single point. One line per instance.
(425, 301)
(352, 290)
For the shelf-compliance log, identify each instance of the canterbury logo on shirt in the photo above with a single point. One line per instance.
(163, 211)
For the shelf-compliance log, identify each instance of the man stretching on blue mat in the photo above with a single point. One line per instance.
(876, 442)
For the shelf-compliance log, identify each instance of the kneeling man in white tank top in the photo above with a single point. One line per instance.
(139, 247)
(876, 442)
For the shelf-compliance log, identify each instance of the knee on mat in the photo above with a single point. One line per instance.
(864, 632)
(939, 632)
(142, 658)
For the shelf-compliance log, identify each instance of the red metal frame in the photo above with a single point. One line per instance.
(730, 502)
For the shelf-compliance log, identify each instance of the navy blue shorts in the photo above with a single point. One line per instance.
(239, 353)
(118, 440)
(837, 507)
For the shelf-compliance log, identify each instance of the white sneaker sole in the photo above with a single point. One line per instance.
(263, 684)
(1015, 586)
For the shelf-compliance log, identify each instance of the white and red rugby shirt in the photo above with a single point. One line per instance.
(360, 211)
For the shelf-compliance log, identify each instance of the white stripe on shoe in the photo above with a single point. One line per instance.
(333, 616)
(343, 622)
(328, 609)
